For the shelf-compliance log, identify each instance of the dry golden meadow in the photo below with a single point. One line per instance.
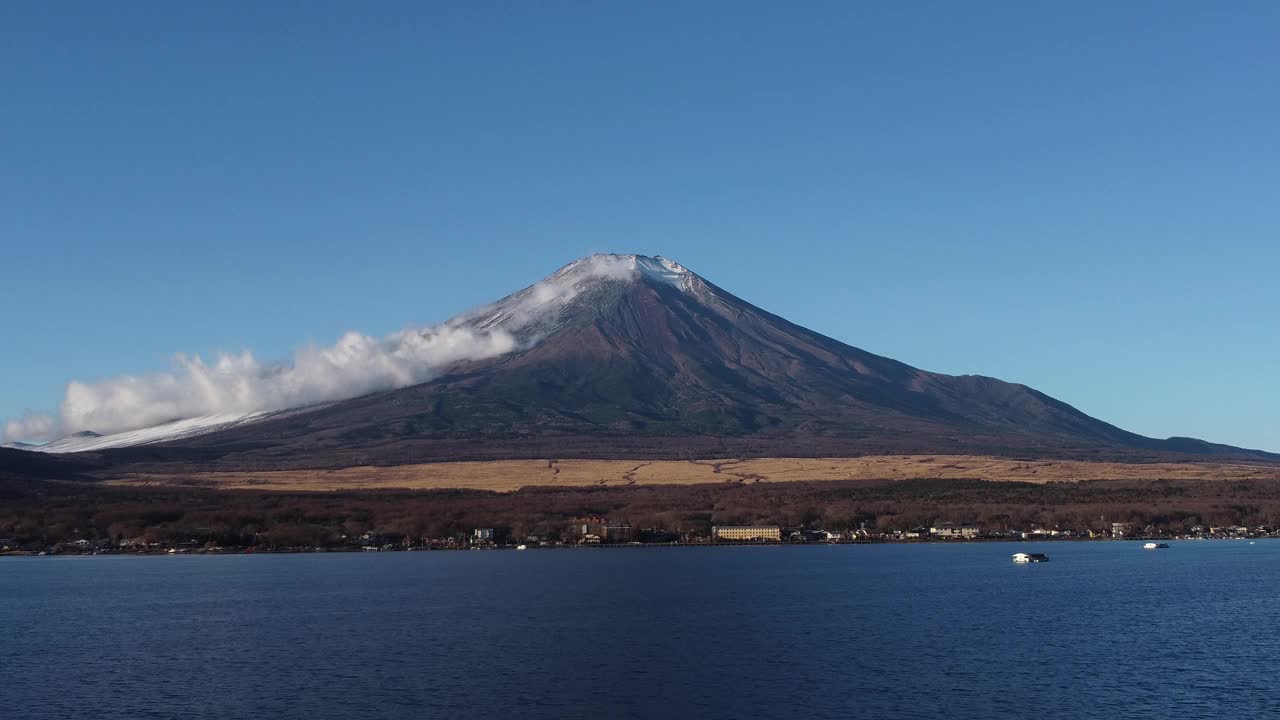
(509, 475)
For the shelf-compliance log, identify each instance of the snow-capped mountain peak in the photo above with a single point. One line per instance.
(607, 349)
(606, 266)
(539, 308)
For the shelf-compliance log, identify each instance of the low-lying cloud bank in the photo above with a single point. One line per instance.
(239, 384)
(356, 365)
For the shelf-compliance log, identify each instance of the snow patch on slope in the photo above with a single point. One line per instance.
(664, 270)
(84, 441)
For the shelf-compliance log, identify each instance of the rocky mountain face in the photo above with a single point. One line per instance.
(632, 356)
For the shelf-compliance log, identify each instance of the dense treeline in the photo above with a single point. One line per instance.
(34, 513)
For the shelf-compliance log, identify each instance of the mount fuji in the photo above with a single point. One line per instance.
(630, 356)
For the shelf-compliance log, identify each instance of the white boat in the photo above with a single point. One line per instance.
(1154, 546)
(522, 547)
(1022, 558)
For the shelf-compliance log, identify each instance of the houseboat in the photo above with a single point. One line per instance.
(1021, 558)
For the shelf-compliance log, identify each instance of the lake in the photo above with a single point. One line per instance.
(879, 631)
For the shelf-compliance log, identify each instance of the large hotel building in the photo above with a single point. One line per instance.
(764, 533)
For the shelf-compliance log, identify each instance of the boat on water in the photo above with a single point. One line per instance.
(1022, 558)
(522, 547)
(1155, 546)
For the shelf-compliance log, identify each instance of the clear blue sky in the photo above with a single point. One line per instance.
(1082, 197)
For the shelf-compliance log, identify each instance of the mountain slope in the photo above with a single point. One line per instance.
(631, 356)
(24, 473)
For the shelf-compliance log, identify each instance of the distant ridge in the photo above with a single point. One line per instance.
(24, 473)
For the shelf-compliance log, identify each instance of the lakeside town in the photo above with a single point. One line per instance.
(598, 532)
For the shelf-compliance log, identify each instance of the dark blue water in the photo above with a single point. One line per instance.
(804, 632)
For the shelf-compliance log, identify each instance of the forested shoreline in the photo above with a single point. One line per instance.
(38, 515)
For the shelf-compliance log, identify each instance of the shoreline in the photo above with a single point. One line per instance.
(606, 546)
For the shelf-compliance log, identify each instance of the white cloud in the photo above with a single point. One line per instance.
(31, 425)
(238, 383)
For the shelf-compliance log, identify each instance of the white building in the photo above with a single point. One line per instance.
(761, 533)
(952, 530)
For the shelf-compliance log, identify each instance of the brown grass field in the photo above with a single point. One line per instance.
(510, 475)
